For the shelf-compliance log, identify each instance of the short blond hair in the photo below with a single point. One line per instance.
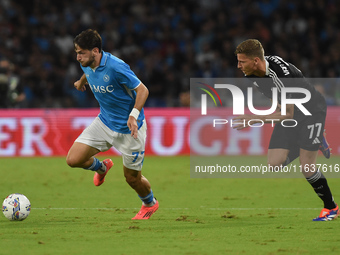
(251, 48)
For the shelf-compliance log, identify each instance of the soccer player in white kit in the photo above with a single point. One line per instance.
(120, 123)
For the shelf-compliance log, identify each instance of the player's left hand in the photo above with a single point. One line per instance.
(132, 124)
(80, 85)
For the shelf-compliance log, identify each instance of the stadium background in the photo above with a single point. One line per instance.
(165, 43)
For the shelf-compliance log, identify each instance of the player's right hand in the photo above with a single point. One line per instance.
(132, 124)
(79, 85)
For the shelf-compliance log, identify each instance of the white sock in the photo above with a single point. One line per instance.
(151, 204)
(102, 169)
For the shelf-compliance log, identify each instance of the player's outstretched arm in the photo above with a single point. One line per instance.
(80, 84)
(142, 95)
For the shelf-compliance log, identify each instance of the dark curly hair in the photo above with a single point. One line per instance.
(88, 40)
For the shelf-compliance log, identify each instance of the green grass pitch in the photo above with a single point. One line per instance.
(196, 216)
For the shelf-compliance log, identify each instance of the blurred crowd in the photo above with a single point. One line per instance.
(164, 42)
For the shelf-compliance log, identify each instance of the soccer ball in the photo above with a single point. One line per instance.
(16, 207)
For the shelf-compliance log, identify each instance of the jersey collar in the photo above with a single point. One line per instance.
(267, 67)
(104, 59)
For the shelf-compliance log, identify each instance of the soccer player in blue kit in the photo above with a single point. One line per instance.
(120, 123)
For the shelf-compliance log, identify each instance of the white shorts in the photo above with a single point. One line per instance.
(99, 136)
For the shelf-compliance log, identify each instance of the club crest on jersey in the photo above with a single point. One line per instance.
(106, 78)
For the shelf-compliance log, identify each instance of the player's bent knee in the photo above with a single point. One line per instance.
(71, 161)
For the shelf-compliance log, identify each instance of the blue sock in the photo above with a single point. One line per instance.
(147, 199)
(95, 165)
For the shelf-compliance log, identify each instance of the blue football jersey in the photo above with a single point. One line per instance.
(112, 84)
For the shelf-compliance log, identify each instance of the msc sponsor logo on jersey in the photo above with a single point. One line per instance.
(102, 89)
